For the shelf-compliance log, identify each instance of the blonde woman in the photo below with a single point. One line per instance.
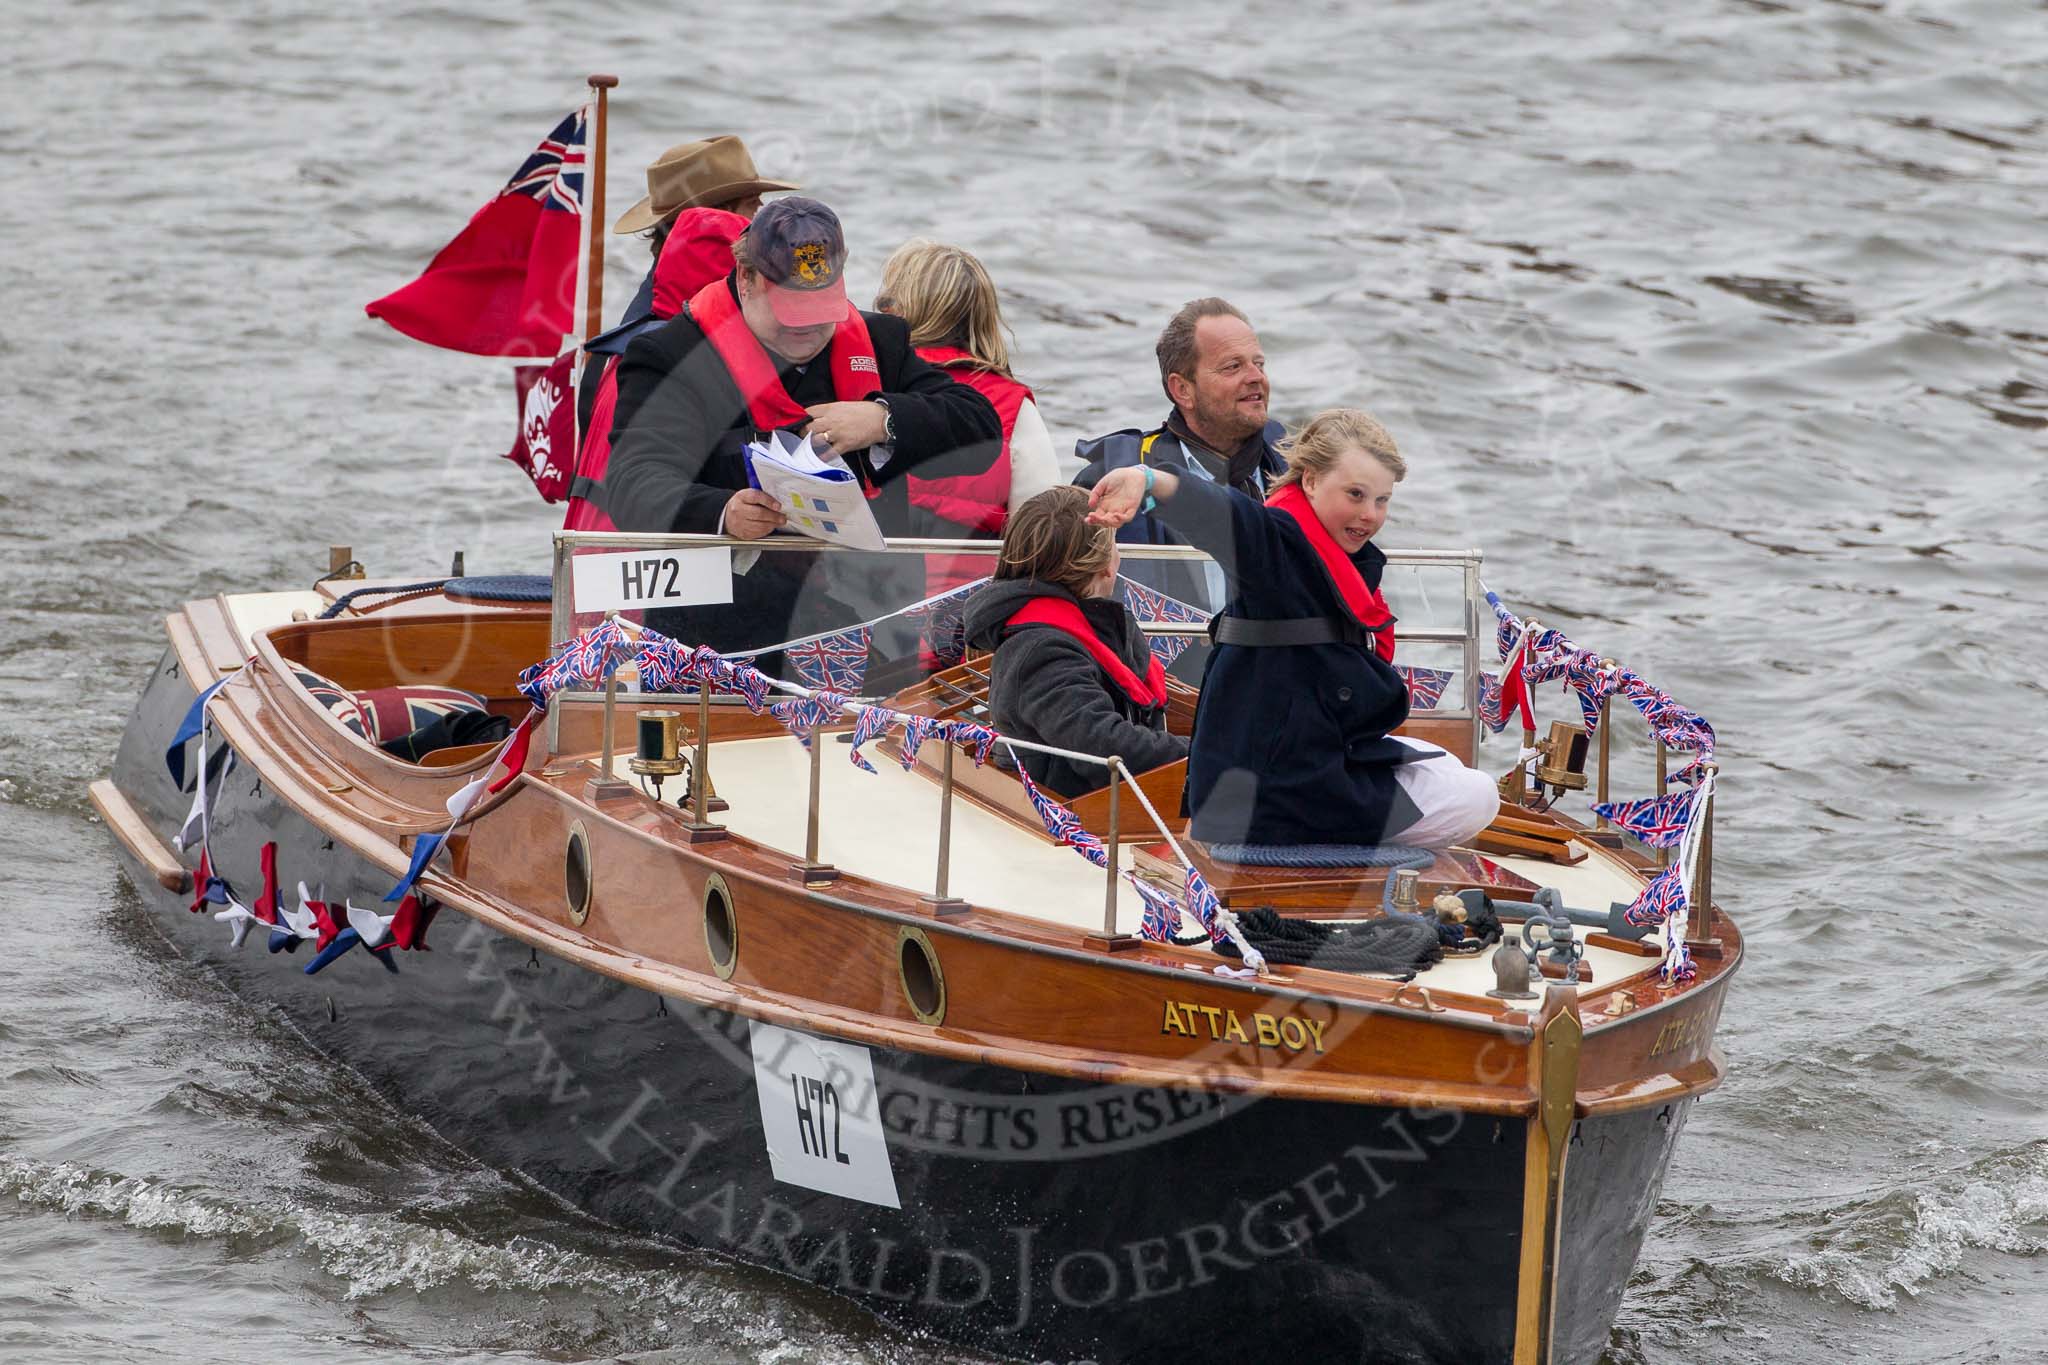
(946, 296)
(1293, 741)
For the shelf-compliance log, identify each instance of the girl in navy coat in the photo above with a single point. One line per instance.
(1292, 741)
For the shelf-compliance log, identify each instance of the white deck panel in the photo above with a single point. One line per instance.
(884, 826)
(255, 612)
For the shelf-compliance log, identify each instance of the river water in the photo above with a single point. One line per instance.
(1720, 327)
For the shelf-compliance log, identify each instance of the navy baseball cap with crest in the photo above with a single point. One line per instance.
(796, 245)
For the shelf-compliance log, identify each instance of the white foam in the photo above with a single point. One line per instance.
(1902, 1243)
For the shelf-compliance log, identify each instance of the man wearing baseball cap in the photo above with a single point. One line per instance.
(776, 345)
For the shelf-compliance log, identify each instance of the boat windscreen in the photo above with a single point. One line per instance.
(869, 623)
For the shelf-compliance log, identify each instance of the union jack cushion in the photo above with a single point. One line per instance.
(386, 713)
(396, 711)
(335, 698)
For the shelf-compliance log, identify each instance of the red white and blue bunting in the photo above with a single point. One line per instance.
(1534, 654)
(332, 930)
(582, 663)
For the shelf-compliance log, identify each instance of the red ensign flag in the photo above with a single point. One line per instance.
(507, 284)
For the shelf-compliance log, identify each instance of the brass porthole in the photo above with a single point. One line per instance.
(576, 883)
(924, 984)
(721, 927)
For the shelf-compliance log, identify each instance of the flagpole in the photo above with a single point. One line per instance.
(593, 290)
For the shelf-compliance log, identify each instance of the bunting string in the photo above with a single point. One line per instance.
(1538, 654)
(805, 710)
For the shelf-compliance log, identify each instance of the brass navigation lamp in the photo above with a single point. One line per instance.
(659, 751)
(1562, 766)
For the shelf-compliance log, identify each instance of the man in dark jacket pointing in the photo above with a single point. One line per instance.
(776, 345)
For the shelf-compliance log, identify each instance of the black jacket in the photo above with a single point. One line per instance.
(1290, 743)
(1045, 687)
(677, 445)
(681, 427)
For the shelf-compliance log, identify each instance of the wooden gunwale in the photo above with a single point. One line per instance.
(285, 752)
(828, 939)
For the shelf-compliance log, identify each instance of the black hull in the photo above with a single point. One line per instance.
(1039, 1217)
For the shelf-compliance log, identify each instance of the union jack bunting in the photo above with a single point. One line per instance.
(1659, 821)
(872, 723)
(801, 715)
(1202, 902)
(834, 663)
(916, 730)
(1677, 726)
(587, 659)
(979, 738)
(1508, 629)
(1152, 608)
(748, 683)
(1592, 683)
(1062, 824)
(1425, 685)
(1162, 913)
(664, 664)
(1664, 899)
(1489, 703)
(1541, 665)
(1677, 965)
(944, 620)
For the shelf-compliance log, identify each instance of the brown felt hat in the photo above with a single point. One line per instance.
(702, 174)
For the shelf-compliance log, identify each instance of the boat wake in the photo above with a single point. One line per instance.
(1872, 1251)
(626, 1297)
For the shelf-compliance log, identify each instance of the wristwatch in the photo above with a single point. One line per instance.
(888, 420)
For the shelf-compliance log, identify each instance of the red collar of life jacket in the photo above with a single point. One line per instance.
(851, 354)
(1064, 615)
(1364, 603)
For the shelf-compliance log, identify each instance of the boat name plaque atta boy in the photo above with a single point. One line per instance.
(1287, 1033)
(819, 1115)
(652, 578)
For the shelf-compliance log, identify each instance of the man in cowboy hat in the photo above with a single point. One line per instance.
(713, 172)
(776, 345)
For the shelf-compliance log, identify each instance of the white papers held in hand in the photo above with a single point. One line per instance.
(820, 495)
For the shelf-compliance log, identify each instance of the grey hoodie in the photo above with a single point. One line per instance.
(1045, 687)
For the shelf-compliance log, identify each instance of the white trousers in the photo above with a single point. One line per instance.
(1456, 801)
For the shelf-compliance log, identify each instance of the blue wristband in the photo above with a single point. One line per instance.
(1150, 502)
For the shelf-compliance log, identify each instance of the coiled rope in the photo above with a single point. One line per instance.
(340, 604)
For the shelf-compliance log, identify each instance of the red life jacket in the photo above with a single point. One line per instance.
(1364, 603)
(1066, 616)
(851, 354)
(595, 456)
(980, 502)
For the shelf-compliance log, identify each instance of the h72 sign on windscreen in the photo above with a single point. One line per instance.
(630, 579)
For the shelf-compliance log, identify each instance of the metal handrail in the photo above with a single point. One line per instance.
(561, 618)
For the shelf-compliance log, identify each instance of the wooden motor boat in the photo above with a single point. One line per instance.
(881, 1032)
